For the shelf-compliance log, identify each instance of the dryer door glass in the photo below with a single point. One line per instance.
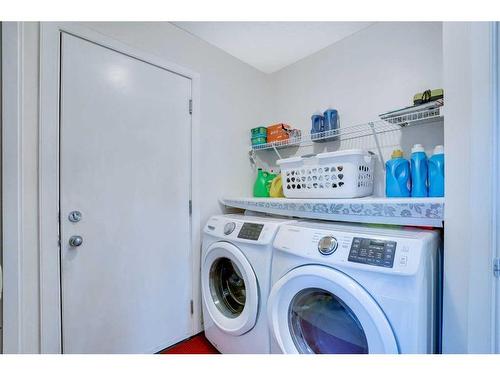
(320, 322)
(227, 287)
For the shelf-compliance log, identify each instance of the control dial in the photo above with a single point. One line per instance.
(327, 245)
(229, 228)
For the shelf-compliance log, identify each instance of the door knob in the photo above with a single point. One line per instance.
(75, 241)
(75, 216)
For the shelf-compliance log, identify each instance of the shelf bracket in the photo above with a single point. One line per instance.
(277, 152)
(379, 149)
(251, 157)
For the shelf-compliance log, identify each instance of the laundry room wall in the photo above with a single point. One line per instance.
(234, 98)
(373, 71)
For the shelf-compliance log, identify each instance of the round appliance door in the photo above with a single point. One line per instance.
(316, 309)
(229, 288)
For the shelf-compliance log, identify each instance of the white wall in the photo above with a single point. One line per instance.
(375, 70)
(234, 98)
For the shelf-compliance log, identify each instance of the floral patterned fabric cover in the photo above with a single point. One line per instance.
(431, 210)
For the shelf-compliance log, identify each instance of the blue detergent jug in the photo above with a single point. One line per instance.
(436, 172)
(317, 122)
(397, 176)
(331, 121)
(418, 171)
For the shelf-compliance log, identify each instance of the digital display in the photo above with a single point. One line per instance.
(250, 231)
(374, 252)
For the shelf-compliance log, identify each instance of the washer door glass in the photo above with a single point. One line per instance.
(227, 287)
(321, 322)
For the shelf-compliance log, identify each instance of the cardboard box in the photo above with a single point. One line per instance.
(278, 132)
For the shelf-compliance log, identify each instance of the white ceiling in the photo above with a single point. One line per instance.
(270, 46)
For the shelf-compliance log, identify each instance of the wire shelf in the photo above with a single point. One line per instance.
(388, 124)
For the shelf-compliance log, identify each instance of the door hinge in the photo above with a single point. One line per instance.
(191, 304)
(190, 207)
(190, 106)
(59, 234)
(496, 267)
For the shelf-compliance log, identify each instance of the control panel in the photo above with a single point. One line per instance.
(372, 251)
(250, 231)
(391, 251)
(243, 229)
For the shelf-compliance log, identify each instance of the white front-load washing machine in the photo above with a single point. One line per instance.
(235, 280)
(347, 288)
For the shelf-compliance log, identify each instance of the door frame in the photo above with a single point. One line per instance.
(50, 300)
(496, 175)
(470, 137)
(12, 197)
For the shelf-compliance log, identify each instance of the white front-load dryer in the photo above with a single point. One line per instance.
(347, 288)
(235, 279)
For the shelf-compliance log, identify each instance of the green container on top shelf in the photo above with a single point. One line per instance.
(259, 141)
(260, 131)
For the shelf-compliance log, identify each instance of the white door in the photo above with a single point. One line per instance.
(316, 309)
(125, 137)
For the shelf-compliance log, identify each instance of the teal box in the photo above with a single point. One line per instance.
(258, 141)
(260, 131)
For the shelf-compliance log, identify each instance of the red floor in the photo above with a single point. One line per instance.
(195, 345)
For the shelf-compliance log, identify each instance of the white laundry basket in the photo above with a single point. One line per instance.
(339, 174)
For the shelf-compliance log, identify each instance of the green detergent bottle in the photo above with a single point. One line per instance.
(262, 184)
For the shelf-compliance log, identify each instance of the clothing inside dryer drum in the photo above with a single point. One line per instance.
(227, 287)
(320, 322)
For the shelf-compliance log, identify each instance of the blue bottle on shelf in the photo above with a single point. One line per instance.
(397, 176)
(318, 127)
(418, 171)
(436, 172)
(331, 122)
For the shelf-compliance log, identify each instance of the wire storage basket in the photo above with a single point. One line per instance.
(339, 174)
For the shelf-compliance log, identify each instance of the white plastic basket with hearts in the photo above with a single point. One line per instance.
(339, 174)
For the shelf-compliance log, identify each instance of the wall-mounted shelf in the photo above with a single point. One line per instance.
(398, 211)
(390, 122)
